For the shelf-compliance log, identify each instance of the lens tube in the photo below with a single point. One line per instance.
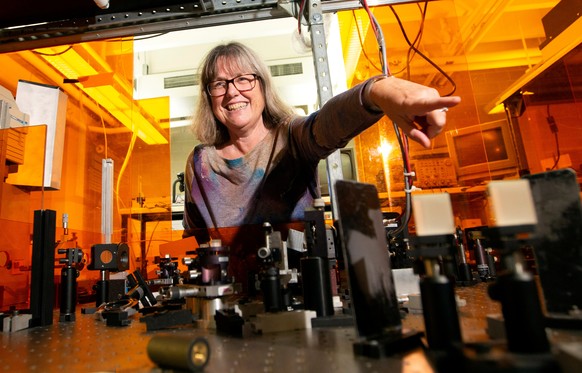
(179, 352)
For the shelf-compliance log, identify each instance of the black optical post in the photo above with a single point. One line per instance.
(105, 258)
(42, 285)
(437, 292)
(434, 243)
(528, 348)
(69, 274)
(315, 267)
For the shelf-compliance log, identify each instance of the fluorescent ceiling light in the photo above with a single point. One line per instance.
(82, 64)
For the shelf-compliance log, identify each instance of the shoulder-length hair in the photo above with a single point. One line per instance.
(205, 125)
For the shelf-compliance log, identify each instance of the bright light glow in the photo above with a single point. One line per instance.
(385, 148)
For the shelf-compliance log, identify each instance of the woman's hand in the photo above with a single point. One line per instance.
(418, 110)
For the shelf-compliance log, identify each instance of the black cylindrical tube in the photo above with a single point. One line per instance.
(101, 292)
(271, 288)
(491, 264)
(68, 293)
(317, 296)
(465, 272)
(461, 258)
(439, 308)
(179, 351)
(522, 313)
(449, 268)
(481, 261)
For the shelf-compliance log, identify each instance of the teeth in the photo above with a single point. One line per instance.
(236, 106)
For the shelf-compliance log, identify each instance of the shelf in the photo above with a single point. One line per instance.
(451, 190)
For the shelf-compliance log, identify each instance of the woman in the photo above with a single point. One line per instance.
(257, 160)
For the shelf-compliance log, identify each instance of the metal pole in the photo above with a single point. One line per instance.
(107, 199)
(324, 88)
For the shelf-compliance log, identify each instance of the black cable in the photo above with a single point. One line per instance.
(140, 38)
(53, 54)
(405, 217)
(557, 150)
(411, 52)
(433, 64)
(554, 128)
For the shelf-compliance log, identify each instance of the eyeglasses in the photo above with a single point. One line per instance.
(242, 83)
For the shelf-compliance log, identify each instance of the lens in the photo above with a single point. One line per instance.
(122, 257)
(106, 257)
(180, 352)
(200, 352)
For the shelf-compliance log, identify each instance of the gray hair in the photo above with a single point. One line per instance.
(205, 126)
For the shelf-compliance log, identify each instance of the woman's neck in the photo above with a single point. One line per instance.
(239, 145)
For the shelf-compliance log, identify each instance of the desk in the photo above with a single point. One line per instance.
(88, 345)
(145, 215)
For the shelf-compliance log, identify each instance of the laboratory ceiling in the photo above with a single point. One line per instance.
(484, 27)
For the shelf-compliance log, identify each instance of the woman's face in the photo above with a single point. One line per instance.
(239, 111)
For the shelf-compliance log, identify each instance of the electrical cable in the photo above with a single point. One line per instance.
(121, 66)
(118, 187)
(554, 128)
(151, 239)
(431, 62)
(402, 139)
(382, 47)
(377, 30)
(557, 150)
(104, 135)
(300, 14)
(405, 218)
(53, 54)
(412, 51)
(362, 44)
(305, 42)
(139, 38)
(408, 181)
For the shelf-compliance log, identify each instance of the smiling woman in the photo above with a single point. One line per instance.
(257, 161)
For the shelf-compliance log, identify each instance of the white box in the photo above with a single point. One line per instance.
(511, 203)
(46, 105)
(433, 214)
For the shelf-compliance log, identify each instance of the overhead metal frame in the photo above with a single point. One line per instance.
(162, 19)
(198, 14)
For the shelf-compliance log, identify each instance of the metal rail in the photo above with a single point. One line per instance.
(163, 19)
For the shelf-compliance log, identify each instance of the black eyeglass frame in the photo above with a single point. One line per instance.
(232, 81)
